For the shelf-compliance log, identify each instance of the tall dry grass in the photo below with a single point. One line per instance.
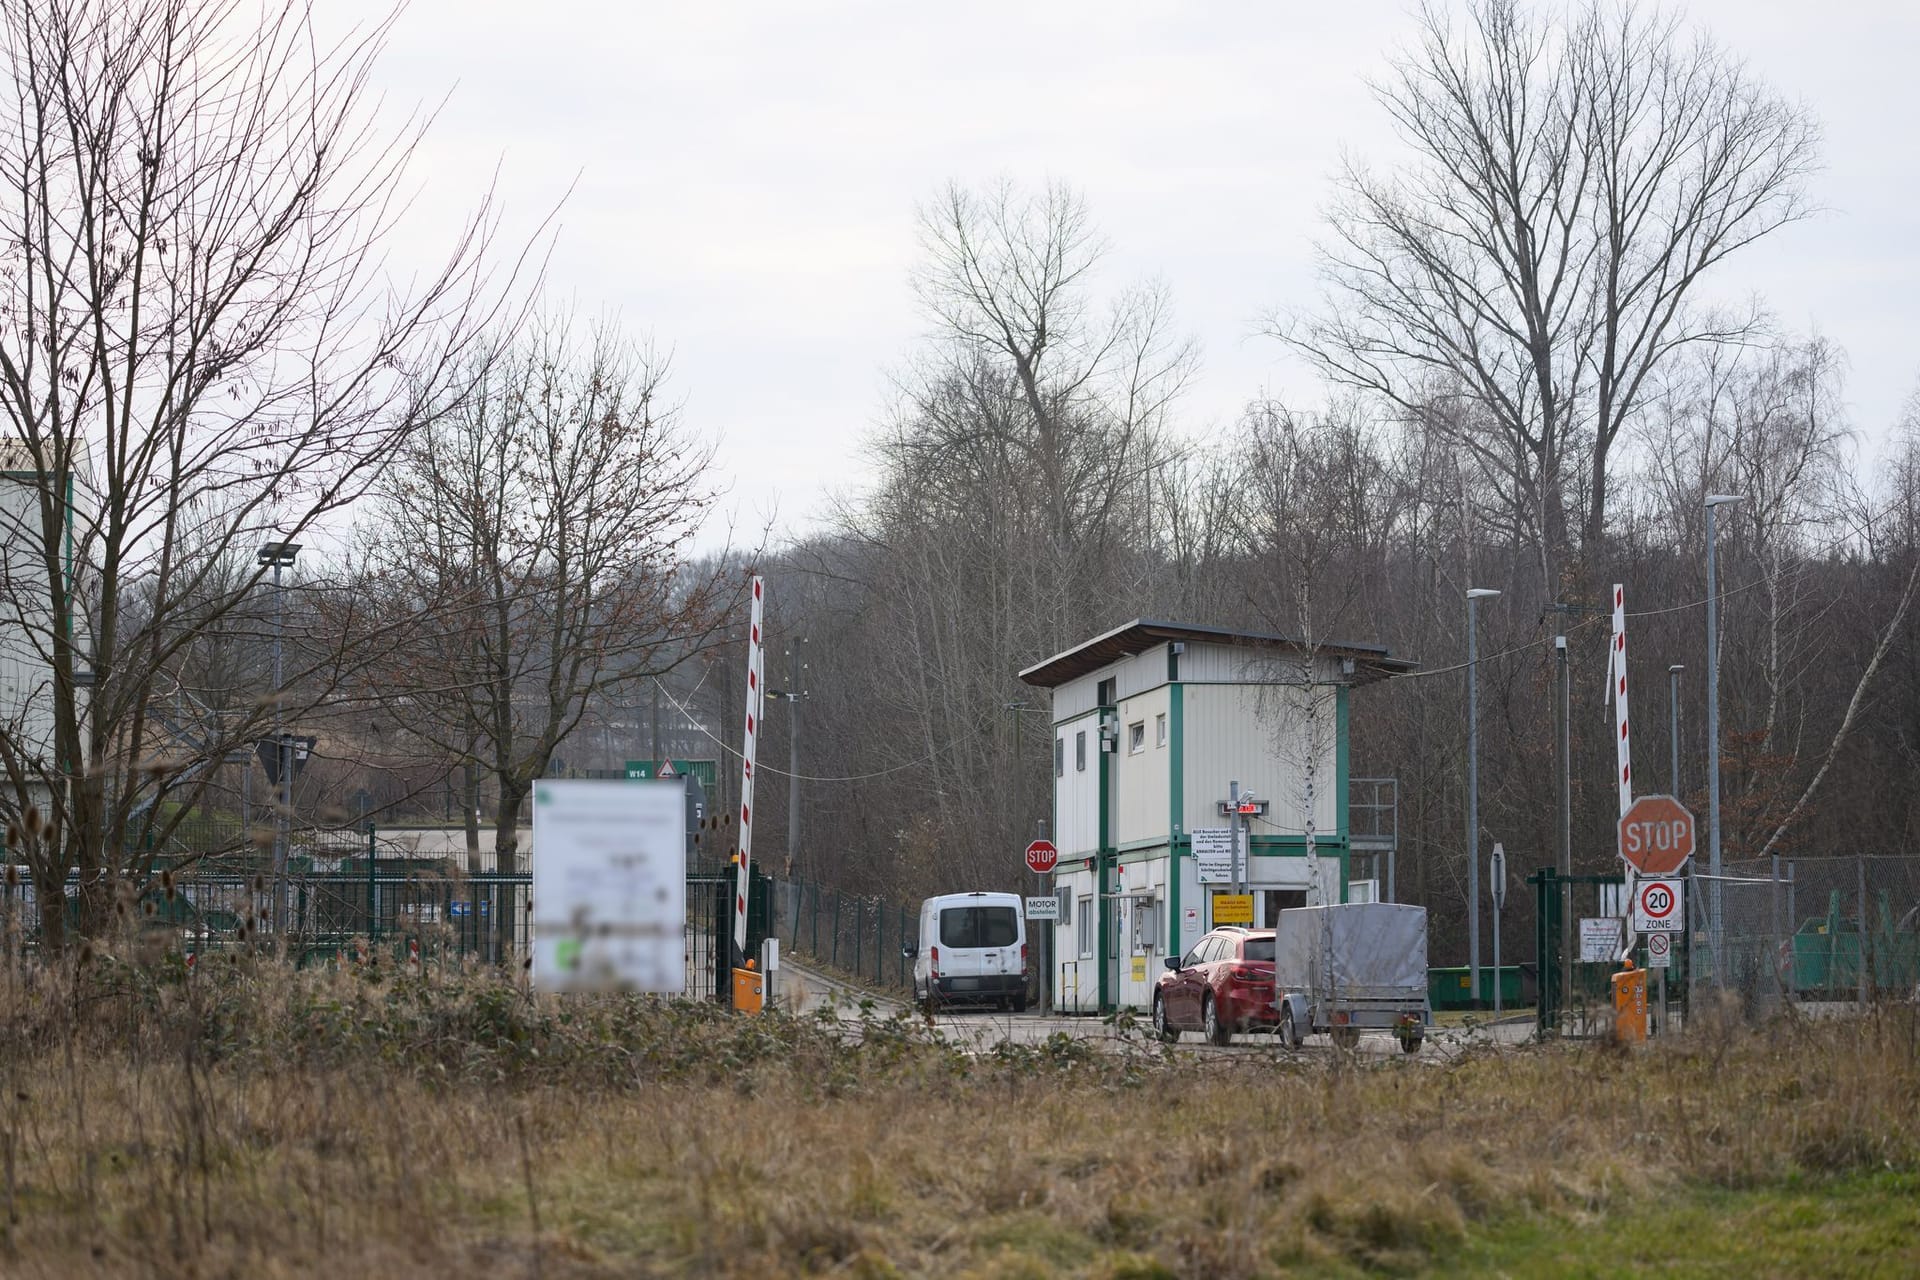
(250, 1120)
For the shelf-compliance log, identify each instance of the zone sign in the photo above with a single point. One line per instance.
(1656, 906)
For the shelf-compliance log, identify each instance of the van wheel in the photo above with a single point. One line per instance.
(1167, 1032)
(1217, 1031)
(1020, 1004)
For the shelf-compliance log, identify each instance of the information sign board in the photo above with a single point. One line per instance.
(609, 886)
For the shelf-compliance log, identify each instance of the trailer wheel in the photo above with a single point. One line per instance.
(1217, 1031)
(1289, 1033)
(1346, 1037)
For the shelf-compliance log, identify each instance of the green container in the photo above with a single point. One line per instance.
(1450, 988)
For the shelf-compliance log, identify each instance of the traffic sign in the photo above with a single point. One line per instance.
(1656, 835)
(1043, 908)
(1042, 857)
(1497, 876)
(1656, 905)
(1659, 951)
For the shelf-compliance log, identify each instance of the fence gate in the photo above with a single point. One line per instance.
(710, 930)
(1575, 996)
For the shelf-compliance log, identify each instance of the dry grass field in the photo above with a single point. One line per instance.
(249, 1121)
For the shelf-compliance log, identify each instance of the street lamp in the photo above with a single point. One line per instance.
(1474, 595)
(1673, 728)
(1714, 501)
(279, 555)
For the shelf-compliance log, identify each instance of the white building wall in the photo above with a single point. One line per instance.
(26, 632)
(1262, 736)
(1076, 697)
(1143, 780)
(1137, 674)
(1143, 930)
(1233, 664)
(1076, 790)
(1076, 977)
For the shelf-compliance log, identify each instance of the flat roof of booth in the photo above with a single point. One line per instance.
(1371, 661)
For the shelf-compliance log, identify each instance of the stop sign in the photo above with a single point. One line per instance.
(1041, 857)
(1656, 835)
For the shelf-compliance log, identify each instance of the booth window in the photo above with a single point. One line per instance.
(1080, 751)
(1059, 757)
(1160, 730)
(1136, 737)
(1084, 922)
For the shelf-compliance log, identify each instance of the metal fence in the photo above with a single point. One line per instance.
(1809, 929)
(858, 935)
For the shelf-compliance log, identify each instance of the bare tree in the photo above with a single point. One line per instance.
(199, 351)
(536, 531)
(1572, 179)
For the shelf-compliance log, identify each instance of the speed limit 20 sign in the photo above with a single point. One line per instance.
(1657, 906)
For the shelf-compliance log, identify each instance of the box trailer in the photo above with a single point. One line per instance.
(1352, 967)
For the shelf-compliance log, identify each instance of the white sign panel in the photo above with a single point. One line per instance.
(1659, 951)
(1657, 905)
(1047, 908)
(1599, 939)
(1213, 854)
(609, 886)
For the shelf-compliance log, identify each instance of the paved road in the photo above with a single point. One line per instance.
(805, 989)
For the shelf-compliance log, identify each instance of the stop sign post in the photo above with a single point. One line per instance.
(1656, 835)
(1042, 857)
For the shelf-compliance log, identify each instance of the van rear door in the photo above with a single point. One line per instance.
(978, 940)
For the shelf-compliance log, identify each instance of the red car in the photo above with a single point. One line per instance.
(1223, 985)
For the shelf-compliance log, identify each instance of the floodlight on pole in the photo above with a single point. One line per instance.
(1474, 596)
(279, 555)
(1714, 502)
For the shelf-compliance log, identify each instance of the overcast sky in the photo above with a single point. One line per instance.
(745, 177)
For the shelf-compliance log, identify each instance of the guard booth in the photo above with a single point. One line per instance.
(1152, 723)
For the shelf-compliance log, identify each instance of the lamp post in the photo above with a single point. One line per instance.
(1474, 596)
(1673, 728)
(1714, 502)
(278, 555)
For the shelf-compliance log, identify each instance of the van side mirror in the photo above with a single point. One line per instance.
(908, 950)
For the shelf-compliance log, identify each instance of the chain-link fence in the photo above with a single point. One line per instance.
(1808, 929)
(859, 935)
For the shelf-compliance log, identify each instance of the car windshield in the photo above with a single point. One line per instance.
(978, 927)
(1257, 949)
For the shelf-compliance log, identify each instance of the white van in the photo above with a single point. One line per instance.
(972, 950)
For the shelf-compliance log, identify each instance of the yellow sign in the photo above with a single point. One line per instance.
(1139, 968)
(1233, 908)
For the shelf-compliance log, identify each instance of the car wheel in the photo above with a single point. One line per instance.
(1217, 1031)
(1289, 1033)
(1161, 1027)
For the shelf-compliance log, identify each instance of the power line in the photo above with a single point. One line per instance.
(804, 777)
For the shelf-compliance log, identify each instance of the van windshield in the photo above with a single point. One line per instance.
(978, 927)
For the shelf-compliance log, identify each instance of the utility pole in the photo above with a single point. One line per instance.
(1474, 596)
(792, 696)
(278, 555)
(1563, 824)
(1714, 502)
(1673, 728)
